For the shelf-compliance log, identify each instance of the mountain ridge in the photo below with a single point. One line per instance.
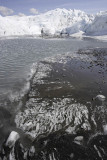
(55, 22)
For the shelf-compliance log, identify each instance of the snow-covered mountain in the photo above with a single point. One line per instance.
(99, 25)
(54, 22)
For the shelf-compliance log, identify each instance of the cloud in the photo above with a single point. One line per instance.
(34, 11)
(5, 11)
(21, 14)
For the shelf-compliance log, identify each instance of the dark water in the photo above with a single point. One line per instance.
(16, 59)
(18, 55)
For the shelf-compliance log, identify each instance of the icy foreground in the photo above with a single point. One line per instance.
(57, 147)
(55, 102)
(64, 115)
(45, 114)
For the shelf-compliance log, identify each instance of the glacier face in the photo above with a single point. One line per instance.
(54, 22)
(98, 25)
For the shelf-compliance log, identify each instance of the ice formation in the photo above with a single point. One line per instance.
(98, 25)
(13, 137)
(53, 22)
(40, 118)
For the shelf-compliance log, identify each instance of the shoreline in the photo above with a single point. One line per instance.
(72, 36)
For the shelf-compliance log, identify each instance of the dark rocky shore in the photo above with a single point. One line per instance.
(65, 111)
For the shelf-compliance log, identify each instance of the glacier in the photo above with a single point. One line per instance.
(98, 25)
(54, 22)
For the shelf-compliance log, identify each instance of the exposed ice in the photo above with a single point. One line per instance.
(44, 115)
(53, 22)
(100, 97)
(105, 129)
(40, 118)
(98, 25)
(42, 71)
(13, 137)
(78, 139)
(73, 22)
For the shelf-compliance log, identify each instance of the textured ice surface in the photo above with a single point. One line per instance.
(51, 105)
(49, 116)
(57, 115)
(44, 115)
(99, 25)
(42, 71)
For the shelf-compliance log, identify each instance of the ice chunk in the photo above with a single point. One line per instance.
(105, 129)
(13, 137)
(78, 139)
(100, 97)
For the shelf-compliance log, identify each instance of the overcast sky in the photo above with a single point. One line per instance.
(28, 7)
